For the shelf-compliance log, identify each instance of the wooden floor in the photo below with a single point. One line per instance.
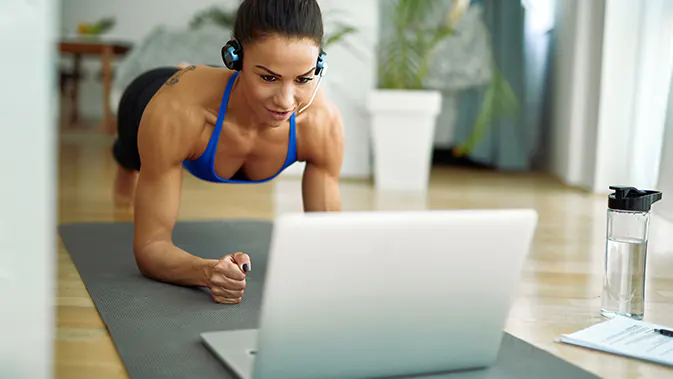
(560, 287)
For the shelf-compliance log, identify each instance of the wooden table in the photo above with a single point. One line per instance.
(104, 48)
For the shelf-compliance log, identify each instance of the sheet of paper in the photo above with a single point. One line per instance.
(628, 337)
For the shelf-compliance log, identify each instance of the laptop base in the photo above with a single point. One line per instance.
(236, 348)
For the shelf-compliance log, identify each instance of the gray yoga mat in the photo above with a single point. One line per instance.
(155, 326)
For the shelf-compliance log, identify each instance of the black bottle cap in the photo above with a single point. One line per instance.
(632, 199)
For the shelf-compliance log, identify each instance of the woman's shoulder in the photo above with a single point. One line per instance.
(322, 115)
(320, 128)
(189, 96)
(180, 112)
(171, 125)
(194, 83)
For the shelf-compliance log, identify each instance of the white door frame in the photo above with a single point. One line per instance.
(28, 188)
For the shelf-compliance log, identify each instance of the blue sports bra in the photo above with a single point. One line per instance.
(204, 166)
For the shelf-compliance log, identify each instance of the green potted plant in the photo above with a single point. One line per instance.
(404, 113)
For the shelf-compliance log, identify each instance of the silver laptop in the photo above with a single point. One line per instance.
(381, 294)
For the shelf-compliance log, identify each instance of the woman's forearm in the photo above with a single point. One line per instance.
(163, 261)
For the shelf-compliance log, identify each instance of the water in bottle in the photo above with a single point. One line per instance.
(624, 284)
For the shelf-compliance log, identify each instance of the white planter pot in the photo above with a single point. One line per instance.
(403, 129)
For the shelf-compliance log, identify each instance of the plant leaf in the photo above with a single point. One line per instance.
(437, 37)
(339, 35)
(483, 120)
(499, 100)
(405, 56)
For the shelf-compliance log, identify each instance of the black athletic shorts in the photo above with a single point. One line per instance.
(131, 107)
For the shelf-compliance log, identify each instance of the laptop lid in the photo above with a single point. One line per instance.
(376, 294)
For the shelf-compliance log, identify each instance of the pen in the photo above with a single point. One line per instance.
(664, 332)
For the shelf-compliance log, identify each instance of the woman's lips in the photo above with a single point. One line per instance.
(279, 115)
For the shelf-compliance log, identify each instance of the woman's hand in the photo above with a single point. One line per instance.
(227, 278)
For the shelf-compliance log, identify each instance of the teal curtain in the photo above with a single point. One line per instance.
(511, 143)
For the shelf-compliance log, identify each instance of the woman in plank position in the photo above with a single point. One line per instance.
(242, 124)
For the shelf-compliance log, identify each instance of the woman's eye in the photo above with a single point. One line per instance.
(304, 80)
(268, 78)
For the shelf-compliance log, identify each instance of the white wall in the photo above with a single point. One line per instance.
(351, 72)
(28, 190)
(614, 61)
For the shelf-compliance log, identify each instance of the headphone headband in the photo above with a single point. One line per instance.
(232, 56)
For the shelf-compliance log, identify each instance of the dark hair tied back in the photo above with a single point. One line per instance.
(293, 18)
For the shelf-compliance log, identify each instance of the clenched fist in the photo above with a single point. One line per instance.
(227, 278)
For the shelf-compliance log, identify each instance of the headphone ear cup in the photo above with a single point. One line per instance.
(232, 55)
(320, 64)
(225, 58)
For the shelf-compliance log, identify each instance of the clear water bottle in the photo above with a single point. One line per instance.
(626, 251)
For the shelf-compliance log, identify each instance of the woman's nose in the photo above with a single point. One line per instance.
(285, 97)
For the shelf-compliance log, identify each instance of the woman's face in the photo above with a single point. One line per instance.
(278, 76)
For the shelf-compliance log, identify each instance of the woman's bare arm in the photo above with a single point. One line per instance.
(162, 147)
(320, 182)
